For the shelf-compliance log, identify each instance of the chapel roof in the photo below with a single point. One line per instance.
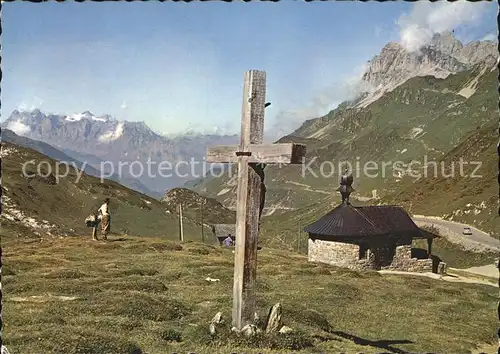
(224, 230)
(349, 221)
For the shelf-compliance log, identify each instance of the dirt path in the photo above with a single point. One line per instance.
(487, 348)
(490, 271)
(450, 278)
(308, 187)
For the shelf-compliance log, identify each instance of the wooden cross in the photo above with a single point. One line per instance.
(251, 189)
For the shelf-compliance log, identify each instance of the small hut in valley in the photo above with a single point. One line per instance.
(368, 237)
(222, 231)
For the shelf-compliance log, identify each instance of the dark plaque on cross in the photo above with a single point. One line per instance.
(252, 156)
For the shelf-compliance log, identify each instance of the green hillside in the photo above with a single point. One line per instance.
(36, 206)
(471, 198)
(194, 205)
(424, 119)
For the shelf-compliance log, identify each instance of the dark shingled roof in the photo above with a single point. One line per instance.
(349, 221)
(224, 230)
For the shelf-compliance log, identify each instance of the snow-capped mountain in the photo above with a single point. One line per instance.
(78, 130)
(89, 116)
(105, 142)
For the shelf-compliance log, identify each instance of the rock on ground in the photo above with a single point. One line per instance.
(285, 330)
(274, 319)
(250, 330)
(215, 321)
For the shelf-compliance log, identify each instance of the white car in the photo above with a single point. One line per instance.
(467, 231)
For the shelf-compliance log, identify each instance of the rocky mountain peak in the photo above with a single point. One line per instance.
(36, 112)
(140, 128)
(476, 52)
(391, 47)
(446, 43)
(34, 115)
(444, 55)
(87, 115)
(27, 117)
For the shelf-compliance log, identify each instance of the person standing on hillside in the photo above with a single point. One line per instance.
(105, 219)
(228, 241)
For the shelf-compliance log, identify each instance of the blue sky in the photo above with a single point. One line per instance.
(180, 66)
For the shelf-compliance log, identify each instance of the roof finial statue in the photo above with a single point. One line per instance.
(345, 188)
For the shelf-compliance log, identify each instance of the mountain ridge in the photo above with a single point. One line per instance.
(70, 158)
(424, 116)
(106, 139)
(443, 56)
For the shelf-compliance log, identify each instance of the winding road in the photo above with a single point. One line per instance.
(453, 232)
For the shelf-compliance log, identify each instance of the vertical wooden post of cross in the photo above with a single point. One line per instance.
(250, 200)
(252, 156)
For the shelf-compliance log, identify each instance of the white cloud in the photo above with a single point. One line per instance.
(490, 37)
(124, 105)
(112, 135)
(426, 19)
(18, 128)
(23, 107)
(224, 129)
(347, 90)
(37, 103)
(27, 106)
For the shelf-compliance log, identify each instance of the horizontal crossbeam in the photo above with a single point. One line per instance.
(286, 153)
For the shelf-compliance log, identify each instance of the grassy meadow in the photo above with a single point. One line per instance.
(150, 295)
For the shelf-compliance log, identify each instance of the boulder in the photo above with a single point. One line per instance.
(256, 318)
(217, 320)
(250, 330)
(274, 319)
(285, 330)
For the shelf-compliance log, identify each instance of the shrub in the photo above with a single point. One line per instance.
(273, 341)
(65, 274)
(140, 271)
(7, 271)
(167, 246)
(171, 335)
